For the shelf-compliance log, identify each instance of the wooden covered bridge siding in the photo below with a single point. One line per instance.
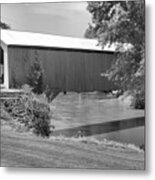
(65, 69)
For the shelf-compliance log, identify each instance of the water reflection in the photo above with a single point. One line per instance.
(106, 127)
(134, 135)
(94, 114)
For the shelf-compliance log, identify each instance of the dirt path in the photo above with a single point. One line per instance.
(20, 150)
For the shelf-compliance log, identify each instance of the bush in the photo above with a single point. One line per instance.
(139, 101)
(41, 123)
(4, 115)
(41, 118)
(31, 111)
(138, 97)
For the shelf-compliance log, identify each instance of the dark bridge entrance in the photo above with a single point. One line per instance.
(1, 66)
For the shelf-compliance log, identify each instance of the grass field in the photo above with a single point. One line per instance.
(26, 150)
(23, 149)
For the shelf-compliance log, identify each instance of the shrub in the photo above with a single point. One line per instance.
(41, 116)
(31, 111)
(4, 115)
(41, 123)
(139, 101)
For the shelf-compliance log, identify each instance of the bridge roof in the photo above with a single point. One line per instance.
(20, 38)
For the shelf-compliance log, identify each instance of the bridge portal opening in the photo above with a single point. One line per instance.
(1, 66)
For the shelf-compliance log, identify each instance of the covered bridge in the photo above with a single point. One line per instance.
(69, 64)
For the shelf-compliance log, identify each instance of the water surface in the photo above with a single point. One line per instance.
(99, 115)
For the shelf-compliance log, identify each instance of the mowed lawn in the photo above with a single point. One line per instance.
(25, 150)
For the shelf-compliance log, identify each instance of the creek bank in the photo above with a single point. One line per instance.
(27, 150)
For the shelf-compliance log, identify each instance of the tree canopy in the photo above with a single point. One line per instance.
(122, 22)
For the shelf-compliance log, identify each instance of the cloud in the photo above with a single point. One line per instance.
(69, 19)
(59, 8)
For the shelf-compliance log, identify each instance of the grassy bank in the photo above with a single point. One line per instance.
(27, 150)
(21, 148)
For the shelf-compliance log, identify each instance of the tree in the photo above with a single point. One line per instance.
(35, 77)
(90, 32)
(122, 23)
(4, 25)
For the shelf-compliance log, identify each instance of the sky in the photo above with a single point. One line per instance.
(67, 19)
